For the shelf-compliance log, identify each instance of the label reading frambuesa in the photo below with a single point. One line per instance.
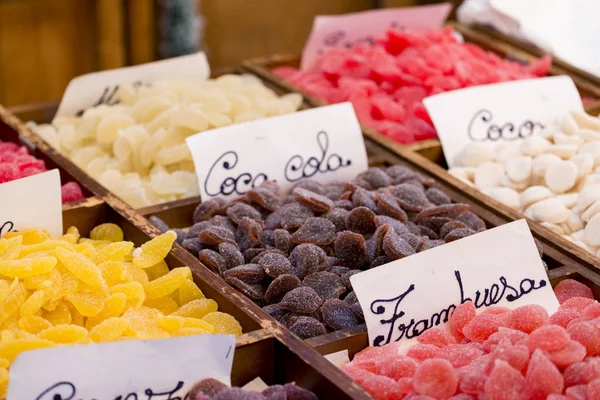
(322, 144)
(497, 267)
(22, 208)
(331, 31)
(136, 369)
(499, 112)
(102, 87)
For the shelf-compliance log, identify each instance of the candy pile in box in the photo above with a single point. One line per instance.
(497, 354)
(553, 177)
(74, 290)
(293, 254)
(137, 147)
(387, 81)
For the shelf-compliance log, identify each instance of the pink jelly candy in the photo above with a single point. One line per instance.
(436, 378)
(592, 311)
(516, 355)
(542, 378)
(381, 387)
(528, 318)
(71, 192)
(581, 373)
(480, 328)
(504, 382)
(397, 367)
(593, 390)
(503, 333)
(548, 337)
(586, 334)
(422, 352)
(462, 315)
(578, 392)
(564, 316)
(578, 303)
(569, 288)
(571, 353)
(436, 337)
(459, 355)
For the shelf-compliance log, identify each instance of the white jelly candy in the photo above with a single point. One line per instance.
(561, 138)
(532, 195)
(584, 162)
(586, 121)
(589, 195)
(564, 151)
(591, 211)
(592, 148)
(488, 174)
(541, 163)
(568, 199)
(475, 153)
(568, 124)
(550, 210)
(562, 176)
(588, 135)
(519, 168)
(592, 231)
(504, 195)
(553, 227)
(534, 146)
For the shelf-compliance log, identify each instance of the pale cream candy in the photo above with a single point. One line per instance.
(588, 135)
(568, 124)
(561, 138)
(592, 231)
(554, 228)
(592, 148)
(561, 177)
(568, 199)
(591, 211)
(588, 196)
(586, 121)
(507, 182)
(504, 195)
(519, 168)
(542, 162)
(534, 146)
(137, 148)
(584, 162)
(550, 210)
(488, 174)
(532, 195)
(506, 151)
(476, 153)
(564, 151)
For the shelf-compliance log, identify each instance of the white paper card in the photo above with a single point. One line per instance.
(322, 144)
(101, 87)
(32, 202)
(137, 369)
(499, 112)
(406, 297)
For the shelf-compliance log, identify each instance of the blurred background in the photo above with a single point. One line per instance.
(45, 43)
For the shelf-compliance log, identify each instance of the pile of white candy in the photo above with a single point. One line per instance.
(137, 148)
(552, 177)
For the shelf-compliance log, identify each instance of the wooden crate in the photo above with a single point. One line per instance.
(429, 148)
(264, 349)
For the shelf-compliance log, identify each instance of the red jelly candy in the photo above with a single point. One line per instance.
(503, 333)
(380, 387)
(581, 373)
(421, 352)
(578, 303)
(435, 378)
(548, 338)
(459, 355)
(528, 318)
(542, 378)
(592, 311)
(462, 315)
(570, 288)
(571, 353)
(563, 317)
(586, 334)
(481, 327)
(437, 337)
(579, 392)
(397, 367)
(504, 382)
(593, 390)
(514, 354)
(71, 192)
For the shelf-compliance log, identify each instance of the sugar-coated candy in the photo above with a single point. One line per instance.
(274, 246)
(17, 162)
(74, 290)
(552, 177)
(136, 147)
(212, 389)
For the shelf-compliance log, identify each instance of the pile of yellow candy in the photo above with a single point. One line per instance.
(72, 290)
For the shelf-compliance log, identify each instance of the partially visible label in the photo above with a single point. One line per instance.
(128, 370)
(330, 31)
(97, 88)
(499, 112)
(322, 144)
(498, 267)
(32, 202)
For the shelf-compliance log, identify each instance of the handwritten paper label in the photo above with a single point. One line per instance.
(330, 31)
(101, 87)
(137, 369)
(21, 206)
(406, 297)
(322, 144)
(499, 112)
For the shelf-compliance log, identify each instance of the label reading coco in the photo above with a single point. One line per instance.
(499, 112)
(322, 144)
(404, 298)
(22, 208)
(137, 369)
(330, 31)
(97, 88)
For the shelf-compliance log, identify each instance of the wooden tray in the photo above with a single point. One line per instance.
(264, 349)
(356, 339)
(429, 148)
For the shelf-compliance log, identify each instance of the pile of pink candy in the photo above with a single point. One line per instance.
(16, 162)
(498, 354)
(386, 82)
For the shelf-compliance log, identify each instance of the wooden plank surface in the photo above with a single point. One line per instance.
(241, 29)
(111, 35)
(141, 23)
